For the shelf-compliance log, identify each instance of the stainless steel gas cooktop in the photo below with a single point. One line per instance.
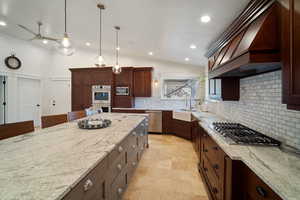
(240, 134)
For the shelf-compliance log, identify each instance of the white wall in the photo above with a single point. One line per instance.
(52, 69)
(87, 58)
(35, 62)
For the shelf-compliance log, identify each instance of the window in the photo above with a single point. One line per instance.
(179, 88)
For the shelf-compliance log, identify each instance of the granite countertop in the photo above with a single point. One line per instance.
(47, 163)
(278, 169)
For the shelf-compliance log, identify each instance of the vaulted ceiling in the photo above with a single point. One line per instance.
(165, 27)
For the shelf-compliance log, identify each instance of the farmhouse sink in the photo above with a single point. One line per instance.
(183, 115)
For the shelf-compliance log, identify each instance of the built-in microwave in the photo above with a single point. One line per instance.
(122, 91)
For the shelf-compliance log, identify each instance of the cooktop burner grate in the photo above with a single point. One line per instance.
(241, 134)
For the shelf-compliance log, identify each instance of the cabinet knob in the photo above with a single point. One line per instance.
(205, 150)
(87, 185)
(119, 166)
(133, 146)
(133, 133)
(261, 191)
(205, 169)
(133, 163)
(215, 148)
(214, 190)
(216, 166)
(120, 191)
(120, 149)
(142, 125)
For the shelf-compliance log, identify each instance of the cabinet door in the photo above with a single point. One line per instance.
(290, 56)
(142, 82)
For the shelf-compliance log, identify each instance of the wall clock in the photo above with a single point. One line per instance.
(13, 62)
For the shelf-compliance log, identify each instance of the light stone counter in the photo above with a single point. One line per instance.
(280, 170)
(46, 164)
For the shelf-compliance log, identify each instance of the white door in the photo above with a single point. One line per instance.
(60, 97)
(29, 100)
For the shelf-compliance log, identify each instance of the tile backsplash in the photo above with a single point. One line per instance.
(260, 108)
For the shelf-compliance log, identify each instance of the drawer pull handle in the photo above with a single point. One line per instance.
(216, 166)
(133, 163)
(120, 191)
(119, 166)
(261, 191)
(133, 146)
(215, 190)
(120, 149)
(87, 185)
(205, 169)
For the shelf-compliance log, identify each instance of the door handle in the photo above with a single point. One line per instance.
(38, 105)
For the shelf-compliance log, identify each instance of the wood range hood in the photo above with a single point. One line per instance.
(251, 44)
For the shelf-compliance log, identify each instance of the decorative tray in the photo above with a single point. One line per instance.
(94, 123)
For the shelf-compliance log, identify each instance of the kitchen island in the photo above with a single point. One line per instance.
(65, 162)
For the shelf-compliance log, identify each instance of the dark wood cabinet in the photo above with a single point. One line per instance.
(82, 81)
(167, 122)
(142, 82)
(290, 28)
(227, 179)
(124, 79)
(182, 129)
(225, 89)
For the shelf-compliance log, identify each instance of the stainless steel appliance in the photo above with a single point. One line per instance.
(101, 97)
(122, 91)
(155, 121)
(235, 133)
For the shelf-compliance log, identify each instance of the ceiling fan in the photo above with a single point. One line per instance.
(38, 36)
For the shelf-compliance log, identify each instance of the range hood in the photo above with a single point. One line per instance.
(254, 45)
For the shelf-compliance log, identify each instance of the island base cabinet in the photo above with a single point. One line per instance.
(110, 178)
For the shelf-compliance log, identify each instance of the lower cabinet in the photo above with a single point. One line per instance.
(227, 179)
(110, 178)
(182, 129)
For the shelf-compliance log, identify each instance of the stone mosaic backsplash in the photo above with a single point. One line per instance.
(260, 108)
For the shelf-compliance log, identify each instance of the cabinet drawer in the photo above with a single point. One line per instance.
(215, 155)
(118, 187)
(212, 180)
(91, 187)
(255, 188)
(118, 165)
(119, 149)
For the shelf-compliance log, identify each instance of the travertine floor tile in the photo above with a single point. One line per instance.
(167, 171)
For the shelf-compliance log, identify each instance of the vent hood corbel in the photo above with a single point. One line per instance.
(251, 44)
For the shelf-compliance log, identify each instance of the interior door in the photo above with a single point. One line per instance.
(29, 100)
(60, 97)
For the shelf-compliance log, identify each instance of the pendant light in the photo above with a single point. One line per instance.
(117, 69)
(65, 46)
(100, 60)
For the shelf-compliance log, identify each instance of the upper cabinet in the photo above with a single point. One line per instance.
(250, 45)
(290, 28)
(142, 82)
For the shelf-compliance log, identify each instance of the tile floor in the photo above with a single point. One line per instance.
(167, 171)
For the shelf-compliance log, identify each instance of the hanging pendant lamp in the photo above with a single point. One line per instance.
(117, 69)
(100, 60)
(65, 46)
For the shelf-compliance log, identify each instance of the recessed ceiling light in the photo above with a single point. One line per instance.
(3, 23)
(45, 41)
(205, 18)
(192, 46)
(88, 44)
(150, 53)
(187, 59)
